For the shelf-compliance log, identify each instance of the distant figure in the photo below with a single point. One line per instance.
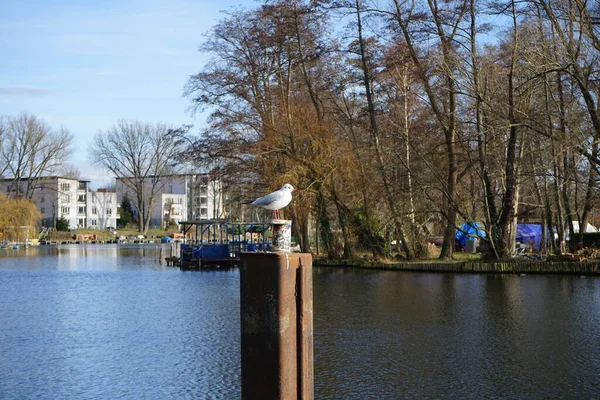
(276, 200)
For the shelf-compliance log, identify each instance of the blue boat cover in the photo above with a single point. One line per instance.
(471, 229)
(214, 251)
(530, 234)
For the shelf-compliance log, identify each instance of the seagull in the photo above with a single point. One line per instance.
(276, 200)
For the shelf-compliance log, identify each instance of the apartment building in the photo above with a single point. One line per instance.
(69, 198)
(178, 197)
(103, 209)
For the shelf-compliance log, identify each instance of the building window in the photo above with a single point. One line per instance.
(94, 210)
(43, 199)
(64, 210)
(81, 222)
(42, 187)
(81, 210)
(81, 185)
(203, 191)
(204, 212)
(94, 222)
(65, 197)
(43, 210)
(109, 212)
(65, 187)
(81, 198)
(203, 201)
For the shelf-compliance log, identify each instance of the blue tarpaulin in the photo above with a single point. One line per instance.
(530, 234)
(212, 251)
(468, 229)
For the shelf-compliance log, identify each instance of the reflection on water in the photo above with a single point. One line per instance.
(90, 257)
(389, 335)
(111, 321)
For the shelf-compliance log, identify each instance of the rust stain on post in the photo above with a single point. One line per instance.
(276, 326)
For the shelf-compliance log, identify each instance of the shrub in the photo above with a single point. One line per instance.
(62, 224)
(590, 239)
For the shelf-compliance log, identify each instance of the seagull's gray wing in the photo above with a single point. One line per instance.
(266, 200)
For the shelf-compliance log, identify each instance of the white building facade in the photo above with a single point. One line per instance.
(72, 199)
(178, 197)
(103, 211)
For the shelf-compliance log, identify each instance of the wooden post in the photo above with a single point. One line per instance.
(277, 326)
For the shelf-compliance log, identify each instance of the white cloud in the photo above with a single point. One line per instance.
(23, 91)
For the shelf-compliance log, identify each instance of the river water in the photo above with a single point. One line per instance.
(111, 322)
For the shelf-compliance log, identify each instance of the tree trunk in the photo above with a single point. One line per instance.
(375, 137)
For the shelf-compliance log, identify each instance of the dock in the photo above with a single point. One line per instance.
(218, 243)
(172, 261)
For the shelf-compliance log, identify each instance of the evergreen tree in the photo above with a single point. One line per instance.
(62, 224)
(126, 213)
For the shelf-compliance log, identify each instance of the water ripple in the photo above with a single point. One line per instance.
(89, 323)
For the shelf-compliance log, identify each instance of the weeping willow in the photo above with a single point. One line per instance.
(18, 219)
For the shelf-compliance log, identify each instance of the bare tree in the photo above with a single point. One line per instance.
(265, 87)
(70, 171)
(139, 155)
(393, 116)
(3, 136)
(31, 149)
(442, 21)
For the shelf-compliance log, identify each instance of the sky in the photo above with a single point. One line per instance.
(86, 64)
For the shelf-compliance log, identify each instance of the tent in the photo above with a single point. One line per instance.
(468, 229)
(530, 234)
(590, 227)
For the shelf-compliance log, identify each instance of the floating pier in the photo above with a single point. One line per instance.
(218, 243)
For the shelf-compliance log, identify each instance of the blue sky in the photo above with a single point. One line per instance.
(86, 64)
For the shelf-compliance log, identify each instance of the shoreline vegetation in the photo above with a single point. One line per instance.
(461, 262)
(516, 266)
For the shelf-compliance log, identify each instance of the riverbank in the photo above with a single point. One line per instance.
(94, 241)
(509, 267)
